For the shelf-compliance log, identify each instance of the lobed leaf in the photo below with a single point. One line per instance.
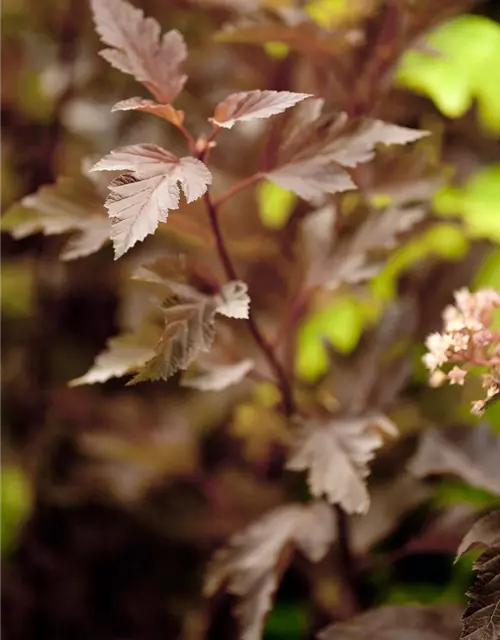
(136, 47)
(399, 622)
(316, 147)
(165, 111)
(249, 563)
(217, 377)
(71, 205)
(189, 330)
(189, 326)
(248, 105)
(335, 453)
(141, 198)
(472, 454)
(335, 260)
(123, 354)
(481, 619)
(484, 533)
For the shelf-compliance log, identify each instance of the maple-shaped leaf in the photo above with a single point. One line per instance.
(189, 330)
(471, 454)
(483, 533)
(71, 205)
(481, 619)
(315, 148)
(399, 622)
(141, 198)
(216, 377)
(136, 47)
(248, 105)
(124, 354)
(250, 563)
(165, 111)
(333, 260)
(189, 327)
(335, 453)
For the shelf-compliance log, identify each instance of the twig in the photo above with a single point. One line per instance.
(348, 569)
(266, 348)
(246, 182)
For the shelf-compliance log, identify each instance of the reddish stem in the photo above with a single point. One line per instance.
(266, 348)
(239, 186)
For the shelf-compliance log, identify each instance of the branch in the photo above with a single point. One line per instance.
(348, 569)
(266, 348)
(246, 182)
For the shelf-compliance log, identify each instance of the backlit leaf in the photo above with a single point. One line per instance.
(248, 105)
(124, 354)
(336, 453)
(165, 111)
(249, 564)
(470, 52)
(476, 202)
(140, 199)
(137, 48)
(275, 204)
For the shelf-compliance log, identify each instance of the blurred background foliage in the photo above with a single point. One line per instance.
(113, 497)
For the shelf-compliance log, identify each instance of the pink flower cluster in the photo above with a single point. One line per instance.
(468, 340)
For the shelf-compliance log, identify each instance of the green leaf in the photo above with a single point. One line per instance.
(16, 292)
(444, 240)
(287, 620)
(15, 501)
(275, 204)
(466, 70)
(477, 203)
(340, 324)
(488, 274)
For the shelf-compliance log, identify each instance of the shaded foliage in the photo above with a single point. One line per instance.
(281, 263)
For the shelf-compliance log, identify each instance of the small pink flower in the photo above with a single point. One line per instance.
(469, 339)
(457, 376)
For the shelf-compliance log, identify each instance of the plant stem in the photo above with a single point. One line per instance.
(347, 565)
(281, 376)
(246, 182)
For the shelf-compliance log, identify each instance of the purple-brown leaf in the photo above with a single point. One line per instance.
(248, 105)
(189, 327)
(137, 48)
(217, 377)
(142, 197)
(71, 205)
(165, 111)
(316, 146)
(336, 453)
(399, 622)
(249, 563)
(123, 354)
(471, 454)
(483, 533)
